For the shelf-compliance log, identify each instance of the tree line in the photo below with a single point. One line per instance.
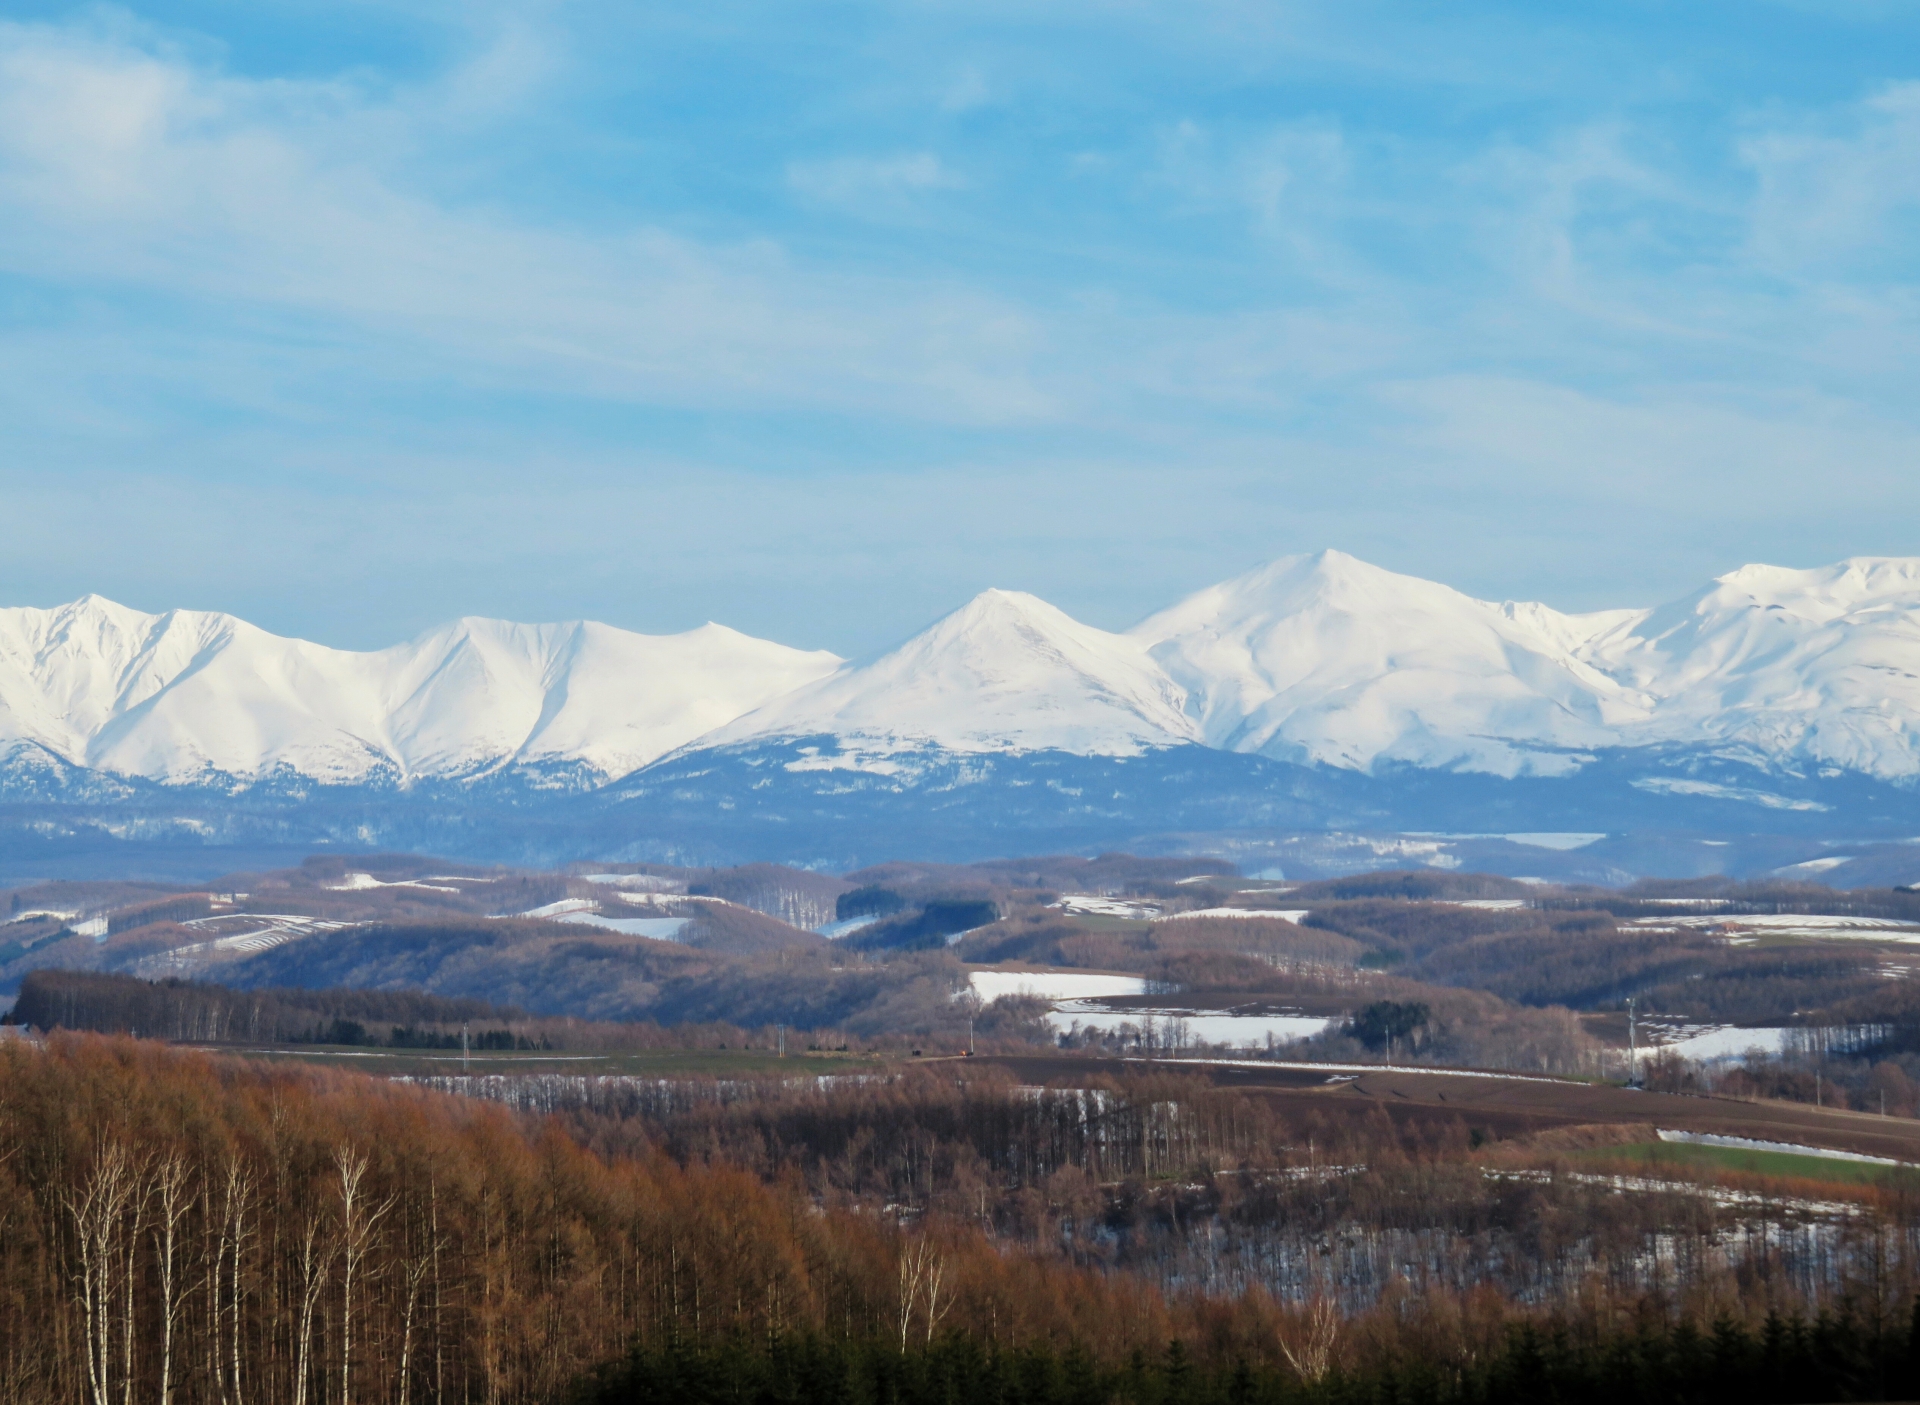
(182, 1228)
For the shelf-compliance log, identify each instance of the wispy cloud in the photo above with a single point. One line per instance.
(862, 183)
(1095, 301)
(126, 165)
(1839, 192)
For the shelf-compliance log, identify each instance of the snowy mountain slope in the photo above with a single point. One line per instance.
(1318, 661)
(1817, 667)
(1327, 659)
(188, 696)
(478, 691)
(1007, 672)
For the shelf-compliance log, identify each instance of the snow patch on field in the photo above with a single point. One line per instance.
(1196, 1026)
(664, 929)
(1291, 914)
(1554, 841)
(1092, 905)
(1053, 985)
(361, 882)
(1723, 1044)
(1794, 924)
(1789, 1148)
(563, 907)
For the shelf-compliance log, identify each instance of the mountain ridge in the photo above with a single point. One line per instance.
(190, 696)
(1321, 661)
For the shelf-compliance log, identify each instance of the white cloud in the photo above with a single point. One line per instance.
(1831, 193)
(969, 90)
(122, 164)
(340, 321)
(1684, 452)
(861, 182)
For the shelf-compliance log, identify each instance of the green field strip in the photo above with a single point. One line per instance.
(1689, 1156)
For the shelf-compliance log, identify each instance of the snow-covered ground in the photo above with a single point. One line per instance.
(665, 929)
(1791, 1148)
(233, 934)
(1053, 985)
(1724, 1044)
(1091, 905)
(1199, 1026)
(361, 882)
(1081, 997)
(1789, 924)
(1291, 914)
(563, 908)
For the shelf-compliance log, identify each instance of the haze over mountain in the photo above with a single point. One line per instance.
(1316, 692)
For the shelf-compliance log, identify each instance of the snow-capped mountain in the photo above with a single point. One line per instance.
(1325, 659)
(1313, 694)
(1006, 672)
(1817, 668)
(188, 696)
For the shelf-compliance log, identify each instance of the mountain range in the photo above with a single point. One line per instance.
(1317, 693)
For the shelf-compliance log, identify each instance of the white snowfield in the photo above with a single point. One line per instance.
(1794, 924)
(1053, 985)
(1093, 905)
(1201, 1026)
(1318, 658)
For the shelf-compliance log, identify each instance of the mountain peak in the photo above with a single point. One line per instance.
(1823, 590)
(996, 609)
(1005, 672)
(1320, 658)
(1330, 659)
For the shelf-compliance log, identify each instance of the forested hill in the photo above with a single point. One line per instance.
(199, 1231)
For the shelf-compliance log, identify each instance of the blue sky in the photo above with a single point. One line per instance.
(815, 320)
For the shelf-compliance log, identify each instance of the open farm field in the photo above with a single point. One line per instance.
(637, 1063)
(1652, 1158)
(1505, 1105)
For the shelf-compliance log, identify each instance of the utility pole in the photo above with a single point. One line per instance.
(1883, 1096)
(1633, 1047)
(465, 1050)
(780, 1039)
